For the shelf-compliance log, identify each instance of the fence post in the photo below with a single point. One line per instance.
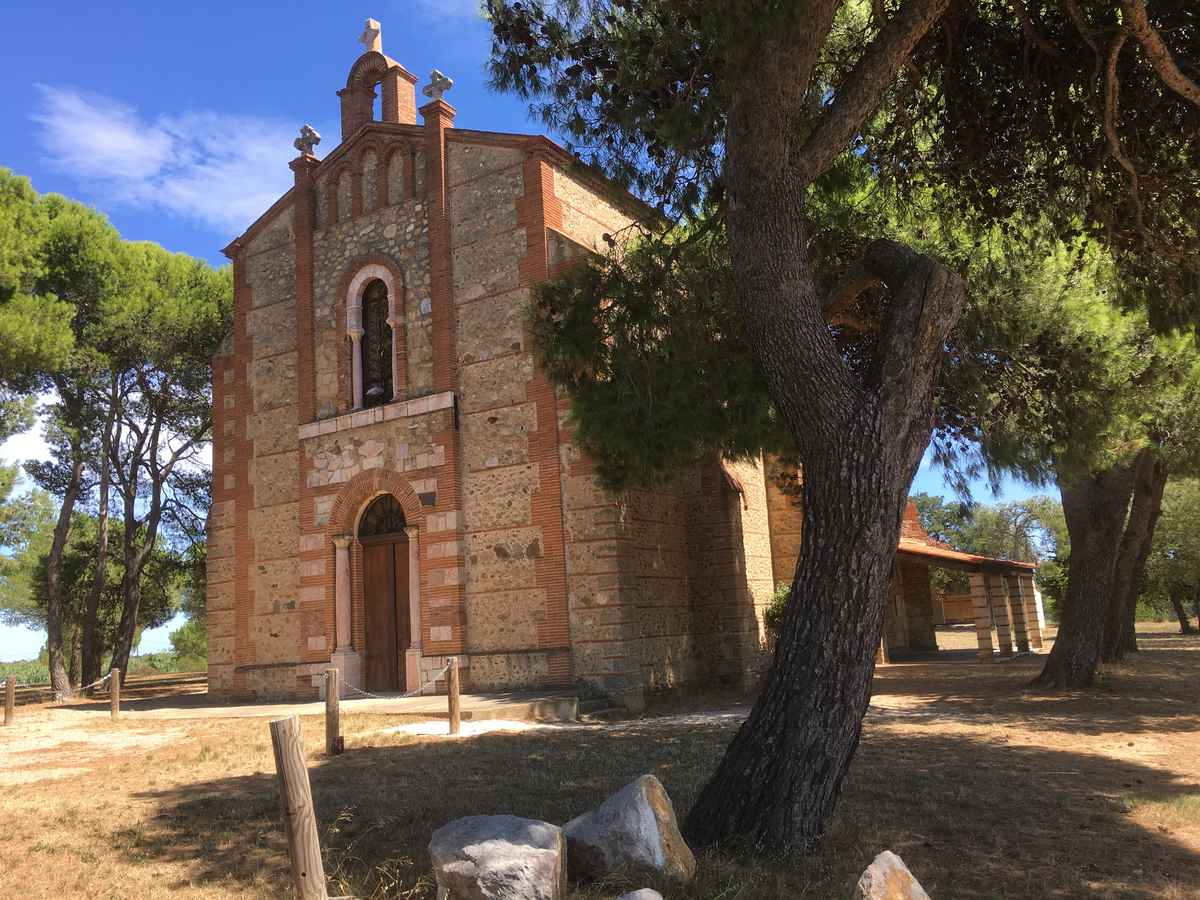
(114, 692)
(333, 721)
(452, 695)
(299, 817)
(10, 699)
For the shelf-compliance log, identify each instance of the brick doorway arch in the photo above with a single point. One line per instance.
(360, 570)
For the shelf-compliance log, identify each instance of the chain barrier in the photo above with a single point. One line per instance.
(433, 680)
(60, 696)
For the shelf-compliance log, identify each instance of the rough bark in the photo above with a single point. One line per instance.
(1149, 481)
(860, 439)
(91, 644)
(1095, 508)
(59, 679)
(1137, 20)
(1185, 624)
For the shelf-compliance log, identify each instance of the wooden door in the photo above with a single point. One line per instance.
(385, 595)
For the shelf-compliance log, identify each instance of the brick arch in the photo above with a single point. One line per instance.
(368, 70)
(365, 487)
(397, 295)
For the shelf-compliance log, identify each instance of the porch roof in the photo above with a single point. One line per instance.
(932, 554)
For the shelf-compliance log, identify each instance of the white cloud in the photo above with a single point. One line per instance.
(216, 169)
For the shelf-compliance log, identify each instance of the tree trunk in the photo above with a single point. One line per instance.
(1185, 624)
(1149, 481)
(1094, 507)
(76, 657)
(780, 777)
(131, 589)
(91, 642)
(59, 680)
(860, 435)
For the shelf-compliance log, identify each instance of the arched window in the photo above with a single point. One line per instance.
(376, 345)
(383, 516)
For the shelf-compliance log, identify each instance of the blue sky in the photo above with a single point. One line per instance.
(177, 120)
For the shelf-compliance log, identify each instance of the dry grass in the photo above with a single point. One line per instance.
(985, 790)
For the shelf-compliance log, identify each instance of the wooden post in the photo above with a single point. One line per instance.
(299, 817)
(452, 695)
(10, 699)
(114, 692)
(333, 721)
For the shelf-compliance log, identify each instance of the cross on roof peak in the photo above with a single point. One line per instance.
(372, 36)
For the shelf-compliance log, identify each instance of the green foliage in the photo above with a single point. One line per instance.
(22, 580)
(26, 671)
(1052, 130)
(654, 358)
(773, 616)
(191, 639)
(1173, 569)
(1031, 530)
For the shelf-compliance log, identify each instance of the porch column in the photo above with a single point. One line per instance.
(345, 658)
(1033, 617)
(983, 616)
(412, 655)
(1016, 602)
(998, 600)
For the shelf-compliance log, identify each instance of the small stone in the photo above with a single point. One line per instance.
(499, 858)
(634, 830)
(887, 878)
(643, 894)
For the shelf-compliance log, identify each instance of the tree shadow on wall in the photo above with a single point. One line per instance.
(971, 818)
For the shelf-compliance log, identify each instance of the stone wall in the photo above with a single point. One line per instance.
(786, 516)
(400, 233)
(656, 523)
(918, 600)
(505, 599)
(908, 621)
(731, 576)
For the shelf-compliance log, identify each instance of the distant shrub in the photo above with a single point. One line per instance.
(773, 617)
(190, 639)
(28, 671)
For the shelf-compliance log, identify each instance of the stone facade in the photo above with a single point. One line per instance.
(510, 555)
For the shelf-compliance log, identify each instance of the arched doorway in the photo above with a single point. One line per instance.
(385, 593)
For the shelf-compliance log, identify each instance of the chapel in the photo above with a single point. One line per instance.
(394, 477)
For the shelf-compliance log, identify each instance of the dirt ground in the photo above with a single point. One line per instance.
(985, 789)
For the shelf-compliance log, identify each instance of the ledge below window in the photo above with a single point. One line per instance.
(397, 409)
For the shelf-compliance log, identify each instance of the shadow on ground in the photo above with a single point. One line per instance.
(1156, 693)
(972, 818)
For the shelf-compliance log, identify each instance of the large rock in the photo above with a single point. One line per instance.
(632, 832)
(643, 894)
(887, 878)
(499, 858)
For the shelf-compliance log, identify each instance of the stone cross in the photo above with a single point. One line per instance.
(372, 37)
(438, 85)
(307, 140)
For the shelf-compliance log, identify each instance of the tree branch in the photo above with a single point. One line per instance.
(1138, 22)
(1030, 30)
(1112, 96)
(863, 88)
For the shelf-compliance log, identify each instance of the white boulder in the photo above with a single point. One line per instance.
(643, 894)
(633, 831)
(499, 858)
(887, 878)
